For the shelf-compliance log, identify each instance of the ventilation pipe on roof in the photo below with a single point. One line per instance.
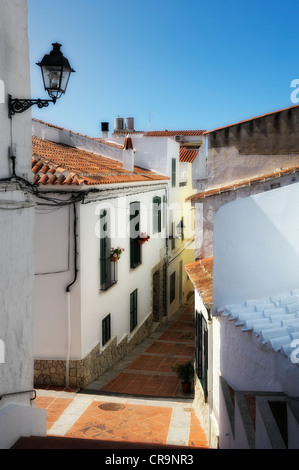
(128, 155)
(129, 124)
(105, 129)
(118, 124)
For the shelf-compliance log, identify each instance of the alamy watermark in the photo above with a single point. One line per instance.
(2, 352)
(2, 92)
(160, 220)
(295, 92)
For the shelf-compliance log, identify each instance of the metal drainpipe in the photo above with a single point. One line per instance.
(68, 294)
(68, 340)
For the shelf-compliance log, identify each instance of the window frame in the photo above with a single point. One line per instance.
(108, 274)
(157, 214)
(106, 329)
(135, 248)
(133, 309)
(173, 172)
(201, 351)
(172, 289)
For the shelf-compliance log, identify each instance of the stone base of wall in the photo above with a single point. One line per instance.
(84, 371)
(202, 412)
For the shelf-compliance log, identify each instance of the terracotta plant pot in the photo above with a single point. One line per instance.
(114, 259)
(141, 242)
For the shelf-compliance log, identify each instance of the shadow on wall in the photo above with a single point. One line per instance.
(256, 246)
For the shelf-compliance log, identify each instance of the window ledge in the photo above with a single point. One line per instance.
(108, 286)
(136, 266)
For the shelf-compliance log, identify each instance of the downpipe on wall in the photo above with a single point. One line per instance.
(68, 298)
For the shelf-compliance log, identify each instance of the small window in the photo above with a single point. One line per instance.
(172, 287)
(108, 276)
(135, 248)
(156, 214)
(106, 329)
(133, 309)
(201, 356)
(164, 211)
(173, 172)
(172, 236)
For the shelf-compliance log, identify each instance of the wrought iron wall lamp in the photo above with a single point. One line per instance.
(56, 72)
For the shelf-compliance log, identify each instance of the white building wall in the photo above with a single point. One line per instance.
(256, 250)
(256, 246)
(54, 271)
(60, 326)
(17, 416)
(97, 304)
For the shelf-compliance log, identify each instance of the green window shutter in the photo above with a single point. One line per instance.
(201, 361)
(173, 172)
(133, 309)
(105, 251)
(164, 211)
(135, 248)
(172, 287)
(156, 214)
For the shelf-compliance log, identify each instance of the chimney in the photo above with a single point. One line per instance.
(129, 124)
(105, 129)
(128, 155)
(118, 124)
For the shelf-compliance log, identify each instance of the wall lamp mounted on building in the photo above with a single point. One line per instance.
(56, 72)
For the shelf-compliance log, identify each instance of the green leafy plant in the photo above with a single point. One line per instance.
(185, 372)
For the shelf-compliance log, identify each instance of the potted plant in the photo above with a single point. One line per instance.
(115, 253)
(142, 238)
(185, 373)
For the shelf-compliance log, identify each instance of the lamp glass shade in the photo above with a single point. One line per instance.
(56, 72)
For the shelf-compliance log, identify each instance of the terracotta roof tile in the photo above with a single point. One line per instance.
(98, 139)
(245, 182)
(164, 133)
(54, 163)
(201, 275)
(167, 133)
(187, 155)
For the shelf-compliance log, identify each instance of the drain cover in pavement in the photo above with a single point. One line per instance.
(111, 407)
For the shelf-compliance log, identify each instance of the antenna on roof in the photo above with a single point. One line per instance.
(150, 118)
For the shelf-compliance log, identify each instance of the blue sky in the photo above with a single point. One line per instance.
(170, 64)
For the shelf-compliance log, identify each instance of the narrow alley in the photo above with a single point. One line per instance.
(138, 404)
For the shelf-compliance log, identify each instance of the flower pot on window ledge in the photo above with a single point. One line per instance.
(115, 253)
(143, 237)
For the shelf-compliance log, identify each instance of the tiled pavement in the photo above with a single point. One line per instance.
(139, 402)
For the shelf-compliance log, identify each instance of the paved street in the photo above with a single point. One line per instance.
(138, 403)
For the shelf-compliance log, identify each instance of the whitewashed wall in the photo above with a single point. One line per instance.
(17, 417)
(54, 247)
(227, 164)
(96, 304)
(256, 254)
(256, 246)
(89, 305)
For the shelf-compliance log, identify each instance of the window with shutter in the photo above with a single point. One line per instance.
(107, 268)
(172, 287)
(201, 358)
(106, 329)
(156, 214)
(173, 172)
(135, 248)
(133, 309)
